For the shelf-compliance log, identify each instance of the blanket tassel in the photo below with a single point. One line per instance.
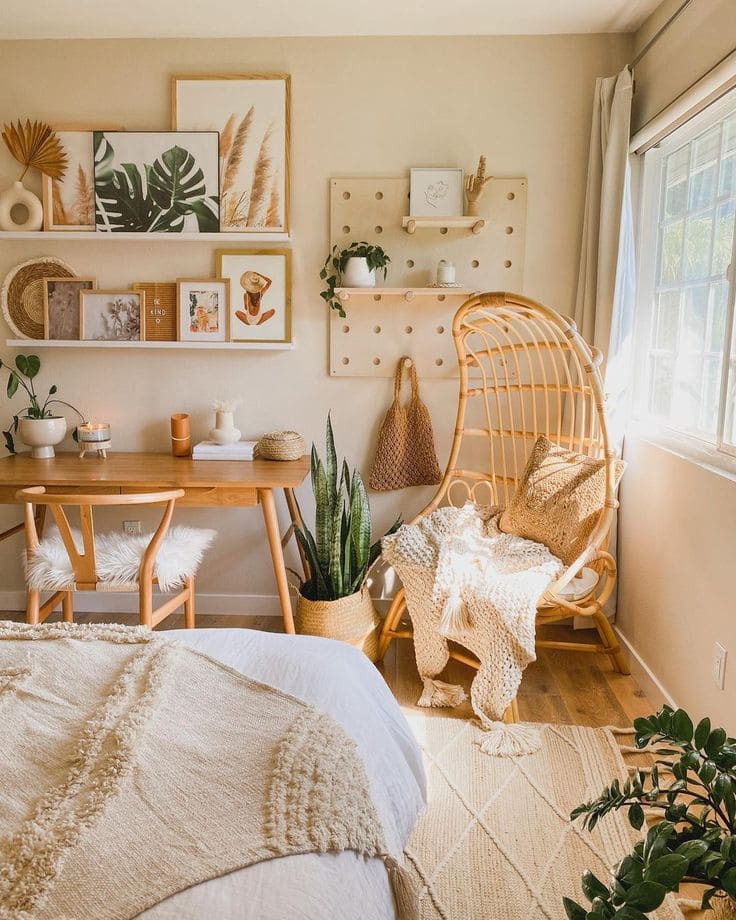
(515, 740)
(402, 886)
(437, 694)
(455, 618)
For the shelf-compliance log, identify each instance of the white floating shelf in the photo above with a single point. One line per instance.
(91, 236)
(474, 224)
(345, 294)
(178, 346)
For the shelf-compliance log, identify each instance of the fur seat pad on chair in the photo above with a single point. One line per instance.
(119, 557)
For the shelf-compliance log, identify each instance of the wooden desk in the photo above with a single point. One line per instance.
(206, 483)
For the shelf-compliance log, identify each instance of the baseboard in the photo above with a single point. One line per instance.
(647, 680)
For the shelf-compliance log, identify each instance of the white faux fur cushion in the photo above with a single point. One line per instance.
(119, 559)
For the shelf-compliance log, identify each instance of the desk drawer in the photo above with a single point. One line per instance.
(208, 496)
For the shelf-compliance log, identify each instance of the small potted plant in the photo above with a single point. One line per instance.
(355, 266)
(333, 598)
(38, 426)
(693, 787)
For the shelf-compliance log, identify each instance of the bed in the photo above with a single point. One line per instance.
(342, 682)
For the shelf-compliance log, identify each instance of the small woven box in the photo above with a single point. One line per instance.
(281, 445)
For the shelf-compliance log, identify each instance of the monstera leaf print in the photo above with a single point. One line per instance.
(157, 200)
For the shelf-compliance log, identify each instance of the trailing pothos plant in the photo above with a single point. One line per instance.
(339, 552)
(22, 377)
(336, 261)
(692, 785)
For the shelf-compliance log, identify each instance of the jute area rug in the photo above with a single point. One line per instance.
(495, 842)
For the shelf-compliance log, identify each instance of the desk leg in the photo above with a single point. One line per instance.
(268, 506)
(296, 521)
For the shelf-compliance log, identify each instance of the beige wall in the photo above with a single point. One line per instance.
(360, 107)
(695, 42)
(677, 540)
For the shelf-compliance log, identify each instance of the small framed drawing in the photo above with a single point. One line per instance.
(111, 316)
(251, 114)
(260, 293)
(436, 192)
(156, 181)
(204, 304)
(69, 203)
(61, 303)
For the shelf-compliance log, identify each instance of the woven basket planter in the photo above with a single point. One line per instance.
(350, 619)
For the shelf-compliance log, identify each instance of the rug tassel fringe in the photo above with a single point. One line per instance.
(515, 740)
(455, 618)
(438, 695)
(402, 886)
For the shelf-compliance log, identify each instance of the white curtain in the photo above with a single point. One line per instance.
(604, 306)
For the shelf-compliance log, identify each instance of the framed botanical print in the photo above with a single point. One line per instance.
(111, 316)
(69, 203)
(203, 309)
(156, 181)
(251, 112)
(260, 293)
(436, 192)
(61, 302)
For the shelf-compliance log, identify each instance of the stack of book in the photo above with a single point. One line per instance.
(211, 450)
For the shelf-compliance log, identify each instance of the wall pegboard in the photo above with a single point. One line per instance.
(403, 317)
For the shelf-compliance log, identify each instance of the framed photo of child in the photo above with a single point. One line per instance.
(203, 306)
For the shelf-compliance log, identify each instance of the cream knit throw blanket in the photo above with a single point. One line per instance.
(468, 581)
(132, 767)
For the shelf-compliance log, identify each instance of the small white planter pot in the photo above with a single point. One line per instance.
(18, 196)
(224, 431)
(357, 273)
(41, 435)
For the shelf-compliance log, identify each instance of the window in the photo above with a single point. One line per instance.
(686, 357)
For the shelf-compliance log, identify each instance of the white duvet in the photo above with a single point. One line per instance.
(341, 681)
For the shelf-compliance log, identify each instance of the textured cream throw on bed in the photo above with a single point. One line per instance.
(132, 767)
(468, 581)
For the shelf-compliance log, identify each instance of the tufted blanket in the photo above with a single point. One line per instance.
(132, 767)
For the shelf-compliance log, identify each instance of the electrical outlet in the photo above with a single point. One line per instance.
(719, 665)
(132, 528)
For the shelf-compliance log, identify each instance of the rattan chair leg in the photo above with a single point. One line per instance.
(395, 612)
(609, 640)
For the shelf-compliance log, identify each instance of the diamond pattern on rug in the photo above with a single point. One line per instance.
(495, 842)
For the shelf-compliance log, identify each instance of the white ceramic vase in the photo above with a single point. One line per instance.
(41, 435)
(357, 273)
(224, 431)
(17, 195)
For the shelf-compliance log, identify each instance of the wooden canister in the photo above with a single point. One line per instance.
(181, 435)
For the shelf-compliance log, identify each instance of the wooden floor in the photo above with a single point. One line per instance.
(563, 687)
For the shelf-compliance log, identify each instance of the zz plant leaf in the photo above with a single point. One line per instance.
(691, 790)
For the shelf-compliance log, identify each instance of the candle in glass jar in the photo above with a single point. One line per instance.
(445, 272)
(94, 432)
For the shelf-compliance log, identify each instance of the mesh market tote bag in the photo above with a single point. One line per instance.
(405, 455)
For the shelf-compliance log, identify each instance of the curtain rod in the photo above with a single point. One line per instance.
(660, 32)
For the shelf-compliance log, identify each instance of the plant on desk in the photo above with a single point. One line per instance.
(38, 425)
(333, 599)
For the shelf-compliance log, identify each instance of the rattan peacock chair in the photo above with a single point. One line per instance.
(525, 371)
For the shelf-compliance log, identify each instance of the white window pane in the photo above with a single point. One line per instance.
(719, 312)
(698, 239)
(723, 241)
(668, 320)
(686, 396)
(694, 320)
(710, 396)
(671, 254)
(704, 168)
(660, 388)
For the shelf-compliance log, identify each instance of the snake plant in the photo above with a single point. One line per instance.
(339, 551)
(692, 790)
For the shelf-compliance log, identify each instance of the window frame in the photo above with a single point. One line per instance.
(717, 452)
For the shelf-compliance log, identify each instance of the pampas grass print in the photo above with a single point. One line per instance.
(259, 205)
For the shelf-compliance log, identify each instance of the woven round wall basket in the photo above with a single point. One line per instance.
(281, 445)
(350, 619)
(21, 296)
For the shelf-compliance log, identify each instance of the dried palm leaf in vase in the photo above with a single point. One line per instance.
(36, 145)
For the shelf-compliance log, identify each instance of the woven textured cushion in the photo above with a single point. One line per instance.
(118, 560)
(558, 499)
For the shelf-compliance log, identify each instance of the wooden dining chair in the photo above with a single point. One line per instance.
(526, 371)
(81, 560)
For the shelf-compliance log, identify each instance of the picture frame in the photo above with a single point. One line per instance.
(61, 307)
(436, 192)
(156, 181)
(252, 113)
(111, 316)
(260, 293)
(204, 309)
(68, 203)
(161, 312)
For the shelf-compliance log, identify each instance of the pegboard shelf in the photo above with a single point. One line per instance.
(474, 224)
(408, 293)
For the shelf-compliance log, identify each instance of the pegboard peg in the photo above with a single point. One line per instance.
(411, 226)
(409, 296)
(478, 226)
(344, 296)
